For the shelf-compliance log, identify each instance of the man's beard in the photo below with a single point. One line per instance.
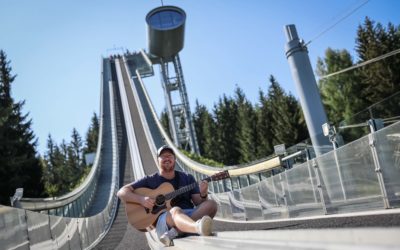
(169, 167)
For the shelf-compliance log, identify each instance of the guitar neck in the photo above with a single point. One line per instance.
(219, 176)
(181, 190)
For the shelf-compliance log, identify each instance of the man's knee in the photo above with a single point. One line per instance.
(211, 207)
(210, 203)
(214, 206)
(175, 210)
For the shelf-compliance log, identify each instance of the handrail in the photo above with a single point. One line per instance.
(136, 96)
(112, 199)
(138, 171)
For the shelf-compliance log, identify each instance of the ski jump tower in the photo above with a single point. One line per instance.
(165, 29)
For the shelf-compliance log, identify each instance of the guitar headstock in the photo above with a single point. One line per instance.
(218, 176)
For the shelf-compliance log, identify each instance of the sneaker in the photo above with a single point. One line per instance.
(204, 226)
(168, 236)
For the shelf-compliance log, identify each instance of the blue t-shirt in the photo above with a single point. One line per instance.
(181, 179)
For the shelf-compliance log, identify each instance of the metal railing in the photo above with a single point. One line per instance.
(368, 179)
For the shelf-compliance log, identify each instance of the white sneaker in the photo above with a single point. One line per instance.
(168, 236)
(204, 226)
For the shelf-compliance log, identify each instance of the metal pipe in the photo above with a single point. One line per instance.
(302, 73)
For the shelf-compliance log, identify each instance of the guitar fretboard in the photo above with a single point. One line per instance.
(216, 177)
(181, 190)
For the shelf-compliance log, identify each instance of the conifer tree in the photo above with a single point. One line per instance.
(74, 156)
(199, 114)
(62, 168)
(19, 165)
(340, 93)
(226, 114)
(92, 135)
(210, 142)
(382, 78)
(264, 126)
(51, 173)
(247, 122)
(285, 115)
(205, 128)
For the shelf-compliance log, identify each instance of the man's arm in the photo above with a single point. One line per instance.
(199, 198)
(126, 194)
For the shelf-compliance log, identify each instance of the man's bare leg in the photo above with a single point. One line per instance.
(178, 219)
(208, 207)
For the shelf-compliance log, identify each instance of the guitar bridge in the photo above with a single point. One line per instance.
(158, 209)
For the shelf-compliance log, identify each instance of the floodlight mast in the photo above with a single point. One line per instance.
(307, 89)
(165, 27)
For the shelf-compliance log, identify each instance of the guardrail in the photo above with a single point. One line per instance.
(369, 169)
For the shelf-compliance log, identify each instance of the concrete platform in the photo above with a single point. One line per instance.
(351, 238)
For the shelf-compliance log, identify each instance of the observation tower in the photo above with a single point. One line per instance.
(165, 29)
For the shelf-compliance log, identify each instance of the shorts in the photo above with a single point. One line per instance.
(162, 226)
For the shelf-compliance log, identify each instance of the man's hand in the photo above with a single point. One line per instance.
(147, 202)
(203, 188)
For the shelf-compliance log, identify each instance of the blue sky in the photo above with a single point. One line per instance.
(55, 48)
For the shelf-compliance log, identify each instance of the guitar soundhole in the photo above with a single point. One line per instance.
(160, 200)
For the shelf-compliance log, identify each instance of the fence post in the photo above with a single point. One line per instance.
(378, 169)
(319, 184)
(309, 173)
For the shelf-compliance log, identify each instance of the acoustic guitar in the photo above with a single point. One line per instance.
(142, 218)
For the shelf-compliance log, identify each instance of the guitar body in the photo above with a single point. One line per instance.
(140, 217)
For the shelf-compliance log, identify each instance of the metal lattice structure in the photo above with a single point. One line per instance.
(180, 120)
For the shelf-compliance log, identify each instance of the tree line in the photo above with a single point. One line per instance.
(235, 131)
(64, 165)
